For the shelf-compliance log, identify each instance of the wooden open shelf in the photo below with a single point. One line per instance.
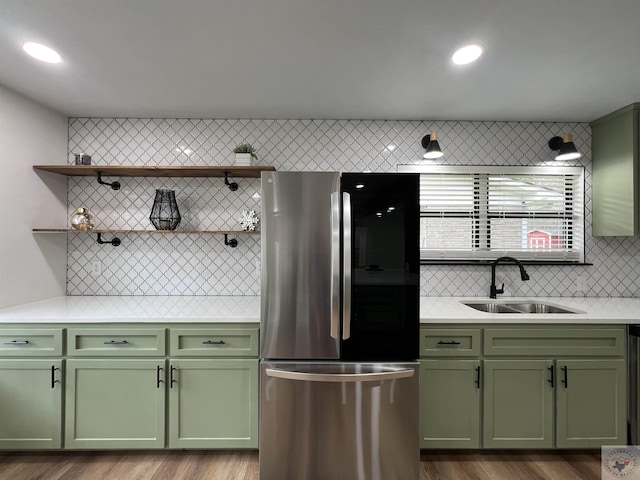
(207, 232)
(157, 171)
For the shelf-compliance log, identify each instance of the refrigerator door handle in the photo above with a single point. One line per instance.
(339, 377)
(346, 265)
(335, 265)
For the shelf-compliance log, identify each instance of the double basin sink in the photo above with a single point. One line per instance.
(517, 307)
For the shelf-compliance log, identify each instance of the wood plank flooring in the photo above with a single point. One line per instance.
(243, 465)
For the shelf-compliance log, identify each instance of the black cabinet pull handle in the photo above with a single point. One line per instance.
(17, 342)
(116, 342)
(551, 380)
(158, 377)
(565, 379)
(53, 376)
(171, 379)
(452, 342)
(214, 342)
(478, 376)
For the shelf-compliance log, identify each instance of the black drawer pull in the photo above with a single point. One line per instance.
(214, 342)
(551, 380)
(478, 376)
(17, 342)
(565, 379)
(452, 342)
(159, 380)
(53, 376)
(172, 380)
(116, 342)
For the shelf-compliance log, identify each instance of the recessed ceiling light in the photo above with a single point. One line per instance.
(42, 52)
(467, 54)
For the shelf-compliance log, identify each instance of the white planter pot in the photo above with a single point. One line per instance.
(244, 159)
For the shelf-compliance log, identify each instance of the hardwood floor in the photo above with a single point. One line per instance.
(243, 465)
(510, 465)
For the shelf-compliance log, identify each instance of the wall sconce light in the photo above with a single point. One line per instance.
(565, 147)
(430, 142)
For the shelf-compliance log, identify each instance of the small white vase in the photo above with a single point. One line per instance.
(244, 159)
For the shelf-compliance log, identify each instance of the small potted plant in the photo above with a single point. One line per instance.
(244, 154)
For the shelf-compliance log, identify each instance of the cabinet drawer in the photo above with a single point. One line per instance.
(444, 342)
(558, 341)
(213, 342)
(115, 342)
(27, 342)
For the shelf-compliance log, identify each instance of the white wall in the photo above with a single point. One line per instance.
(32, 267)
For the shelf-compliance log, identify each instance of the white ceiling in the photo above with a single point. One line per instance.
(545, 60)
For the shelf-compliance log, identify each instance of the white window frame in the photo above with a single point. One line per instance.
(573, 207)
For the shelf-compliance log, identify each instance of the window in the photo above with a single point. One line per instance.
(482, 213)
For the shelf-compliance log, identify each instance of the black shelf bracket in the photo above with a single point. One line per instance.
(115, 241)
(113, 185)
(233, 243)
(233, 186)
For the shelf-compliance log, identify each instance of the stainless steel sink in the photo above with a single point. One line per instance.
(539, 308)
(492, 307)
(517, 307)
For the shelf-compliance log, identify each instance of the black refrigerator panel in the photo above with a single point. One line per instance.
(383, 323)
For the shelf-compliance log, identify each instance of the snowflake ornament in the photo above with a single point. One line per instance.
(249, 220)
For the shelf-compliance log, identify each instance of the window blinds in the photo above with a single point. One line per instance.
(481, 213)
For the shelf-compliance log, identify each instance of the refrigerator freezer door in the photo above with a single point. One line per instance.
(382, 271)
(339, 421)
(298, 233)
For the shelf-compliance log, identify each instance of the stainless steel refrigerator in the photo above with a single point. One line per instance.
(339, 329)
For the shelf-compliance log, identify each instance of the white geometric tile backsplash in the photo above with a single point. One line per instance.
(195, 264)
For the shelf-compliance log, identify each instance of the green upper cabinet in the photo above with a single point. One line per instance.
(30, 404)
(615, 173)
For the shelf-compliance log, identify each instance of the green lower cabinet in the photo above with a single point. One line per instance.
(518, 404)
(30, 404)
(591, 403)
(213, 403)
(450, 403)
(115, 404)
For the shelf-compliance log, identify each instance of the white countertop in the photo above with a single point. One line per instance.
(589, 310)
(246, 309)
(160, 309)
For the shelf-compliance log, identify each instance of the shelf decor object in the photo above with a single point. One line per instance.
(249, 220)
(82, 158)
(245, 154)
(82, 219)
(164, 212)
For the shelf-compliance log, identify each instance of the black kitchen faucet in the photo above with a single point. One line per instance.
(495, 290)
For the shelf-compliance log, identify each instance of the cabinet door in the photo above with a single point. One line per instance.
(615, 176)
(450, 403)
(213, 403)
(518, 404)
(115, 403)
(30, 404)
(591, 403)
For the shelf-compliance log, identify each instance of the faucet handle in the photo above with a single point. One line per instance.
(500, 290)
